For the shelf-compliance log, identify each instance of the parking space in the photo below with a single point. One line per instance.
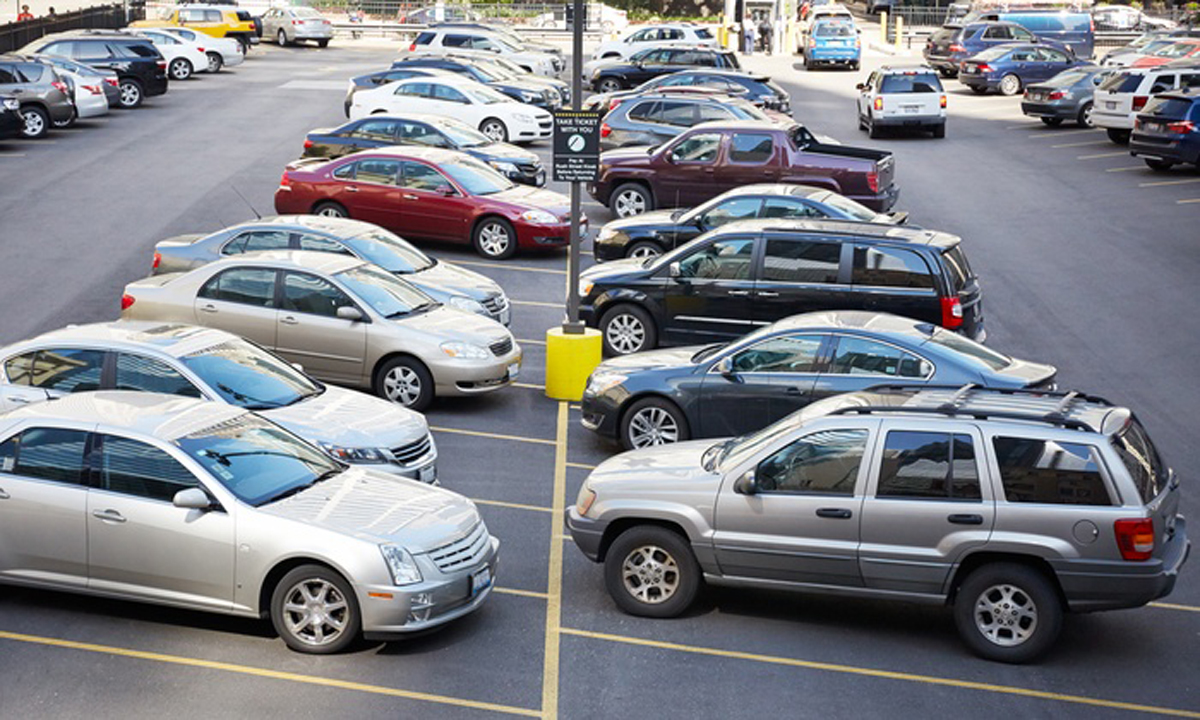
(1086, 262)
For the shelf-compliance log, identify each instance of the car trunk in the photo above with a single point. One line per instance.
(940, 41)
(1157, 484)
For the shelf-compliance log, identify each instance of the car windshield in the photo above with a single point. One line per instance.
(256, 460)
(1155, 45)
(970, 349)
(389, 252)
(833, 30)
(735, 450)
(845, 205)
(462, 135)
(384, 292)
(475, 177)
(911, 83)
(1168, 107)
(1178, 50)
(250, 377)
(485, 95)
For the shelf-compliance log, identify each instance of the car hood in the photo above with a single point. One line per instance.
(521, 84)
(616, 268)
(659, 467)
(653, 221)
(350, 419)
(536, 198)
(626, 156)
(378, 507)
(502, 151)
(651, 360)
(451, 324)
(612, 65)
(455, 280)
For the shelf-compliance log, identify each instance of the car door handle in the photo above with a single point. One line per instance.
(4, 495)
(738, 293)
(289, 320)
(19, 401)
(965, 519)
(208, 308)
(795, 391)
(109, 516)
(351, 188)
(835, 513)
(767, 293)
(410, 197)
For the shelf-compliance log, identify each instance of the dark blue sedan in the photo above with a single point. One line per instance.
(1009, 68)
(665, 396)
(1167, 132)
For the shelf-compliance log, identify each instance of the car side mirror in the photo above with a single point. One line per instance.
(297, 367)
(746, 484)
(674, 270)
(860, 86)
(192, 499)
(725, 366)
(349, 312)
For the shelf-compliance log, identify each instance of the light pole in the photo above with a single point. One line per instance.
(572, 325)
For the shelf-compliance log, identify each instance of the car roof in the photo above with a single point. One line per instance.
(905, 68)
(794, 189)
(876, 322)
(322, 262)
(166, 417)
(849, 228)
(452, 79)
(758, 77)
(171, 339)
(428, 154)
(428, 118)
(694, 93)
(343, 227)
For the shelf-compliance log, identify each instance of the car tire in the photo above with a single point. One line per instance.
(1010, 85)
(215, 62)
(1085, 115)
(1159, 165)
(855, 66)
(281, 38)
(1120, 137)
(322, 43)
(37, 122)
(609, 85)
(1032, 612)
(653, 421)
(310, 588)
(1052, 121)
(495, 129)
(59, 124)
(939, 131)
(405, 381)
(643, 249)
(978, 90)
(948, 73)
(180, 69)
(651, 571)
(131, 93)
(873, 130)
(631, 199)
(495, 239)
(330, 209)
(627, 329)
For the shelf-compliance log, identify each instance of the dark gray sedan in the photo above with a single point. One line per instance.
(666, 396)
(1065, 97)
(655, 118)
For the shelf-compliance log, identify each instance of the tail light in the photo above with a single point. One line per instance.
(1139, 102)
(1056, 95)
(873, 181)
(295, 22)
(605, 130)
(955, 47)
(61, 86)
(93, 89)
(128, 300)
(1137, 124)
(952, 313)
(307, 144)
(162, 64)
(612, 105)
(1181, 127)
(285, 181)
(157, 261)
(1135, 538)
(112, 81)
(200, 49)
(879, 103)
(943, 102)
(412, 48)
(983, 67)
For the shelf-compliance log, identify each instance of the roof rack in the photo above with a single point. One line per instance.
(954, 407)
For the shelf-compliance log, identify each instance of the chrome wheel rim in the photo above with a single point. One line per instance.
(625, 333)
(402, 385)
(214, 63)
(1087, 116)
(1006, 615)
(630, 203)
(180, 70)
(650, 574)
(1009, 85)
(645, 250)
(610, 86)
(330, 211)
(282, 38)
(493, 239)
(652, 426)
(34, 124)
(315, 612)
(130, 94)
(494, 131)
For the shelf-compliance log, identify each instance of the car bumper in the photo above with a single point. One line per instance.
(315, 34)
(943, 62)
(816, 55)
(11, 125)
(1062, 111)
(91, 106)
(611, 249)
(1158, 147)
(474, 377)
(530, 132)
(156, 86)
(1111, 120)
(880, 202)
(909, 120)
(422, 470)
(1116, 585)
(588, 534)
(547, 236)
(600, 411)
(978, 81)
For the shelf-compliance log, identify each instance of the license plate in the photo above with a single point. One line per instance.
(1110, 105)
(428, 474)
(541, 178)
(514, 370)
(912, 108)
(481, 580)
(506, 316)
(1153, 127)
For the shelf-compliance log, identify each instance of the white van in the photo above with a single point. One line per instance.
(1122, 95)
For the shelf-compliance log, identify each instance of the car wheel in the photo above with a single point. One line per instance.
(1120, 137)
(1085, 115)
(609, 85)
(939, 131)
(495, 239)
(948, 73)
(855, 65)
(215, 62)
(281, 38)
(1052, 121)
(1159, 165)
(37, 122)
(653, 421)
(631, 199)
(1010, 85)
(180, 69)
(494, 129)
(330, 209)
(651, 571)
(68, 122)
(323, 43)
(131, 93)
(978, 90)
(405, 381)
(314, 611)
(644, 249)
(1008, 612)
(628, 329)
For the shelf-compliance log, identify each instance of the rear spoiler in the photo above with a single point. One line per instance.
(899, 218)
(303, 163)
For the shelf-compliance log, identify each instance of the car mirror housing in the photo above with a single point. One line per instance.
(192, 499)
(725, 366)
(674, 270)
(297, 367)
(860, 86)
(746, 484)
(349, 312)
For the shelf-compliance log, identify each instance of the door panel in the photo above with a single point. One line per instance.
(712, 296)
(799, 277)
(426, 212)
(767, 381)
(373, 195)
(857, 363)
(686, 173)
(240, 301)
(894, 280)
(310, 333)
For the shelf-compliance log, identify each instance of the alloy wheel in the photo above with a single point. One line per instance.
(214, 63)
(180, 69)
(494, 131)
(650, 574)
(494, 239)
(331, 211)
(630, 203)
(652, 426)
(644, 250)
(625, 333)
(402, 385)
(1006, 615)
(130, 95)
(315, 612)
(1010, 84)
(35, 124)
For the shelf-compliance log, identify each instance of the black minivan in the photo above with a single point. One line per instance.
(751, 273)
(141, 69)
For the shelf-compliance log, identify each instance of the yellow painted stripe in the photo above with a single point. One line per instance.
(514, 506)
(508, 266)
(1160, 183)
(1118, 153)
(583, 466)
(1085, 143)
(887, 674)
(521, 593)
(269, 674)
(493, 436)
(1186, 202)
(530, 342)
(554, 584)
(534, 303)
(1173, 606)
(529, 386)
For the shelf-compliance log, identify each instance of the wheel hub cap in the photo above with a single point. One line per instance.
(315, 612)
(493, 238)
(402, 385)
(630, 203)
(650, 574)
(652, 426)
(1006, 615)
(626, 334)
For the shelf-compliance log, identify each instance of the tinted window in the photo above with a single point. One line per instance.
(955, 261)
(19, 368)
(258, 240)
(421, 134)
(316, 243)
(375, 130)
(680, 114)
(1141, 459)
(51, 454)
(701, 33)
(790, 354)
(859, 356)
(383, 172)
(422, 177)
(8, 454)
(928, 465)
(721, 260)
(345, 172)
(424, 38)
(801, 262)
(1045, 471)
(1171, 108)
(456, 41)
(750, 148)
(248, 286)
(970, 350)
(697, 148)
(823, 463)
(916, 83)
(787, 208)
(643, 111)
(67, 371)
(1047, 55)
(420, 89)
(709, 113)
(890, 267)
(742, 208)
(312, 295)
(248, 376)
(135, 372)
(134, 468)
(1000, 32)
(448, 94)
(1123, 82)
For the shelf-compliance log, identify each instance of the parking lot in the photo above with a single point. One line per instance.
(1087, 259)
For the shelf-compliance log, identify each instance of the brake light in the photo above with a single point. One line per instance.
(1135, 538)
(605, 130)
(952, 313)
(1056, 95)
(128, 300)
(955, 47)
(157, 261)
(307, 144)
(112, 81)
(943, 102)
(982, 67)
(93, 89)
(412, 48)
(1139, 102)
(879, 103)
(284, 180)
(162, 64)
(873, 181)
(200, 49)
(60, 86)
(295, 22)
(613, 105)
(1181, 127)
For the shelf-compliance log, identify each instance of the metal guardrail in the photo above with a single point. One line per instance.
(391, 28)
(16, 35)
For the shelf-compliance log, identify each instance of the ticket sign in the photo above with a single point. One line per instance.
(576, 146)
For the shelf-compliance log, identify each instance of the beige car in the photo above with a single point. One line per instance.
(343, 319)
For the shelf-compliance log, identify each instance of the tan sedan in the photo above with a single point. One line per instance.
(345, 320)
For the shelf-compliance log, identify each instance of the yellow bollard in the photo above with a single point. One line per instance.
(570, 359)
(722, 35)
(883, 27)
(899, 32)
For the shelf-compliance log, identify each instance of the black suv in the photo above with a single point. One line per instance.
(11, 122)
(524, 91)
(652, 62)
(751, 273)
(140, 67)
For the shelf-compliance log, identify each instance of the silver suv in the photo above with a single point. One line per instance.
(1010, 506)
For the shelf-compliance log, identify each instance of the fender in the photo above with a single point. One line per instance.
(616, 296)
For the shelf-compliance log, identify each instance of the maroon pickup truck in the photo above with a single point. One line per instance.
(713, 157)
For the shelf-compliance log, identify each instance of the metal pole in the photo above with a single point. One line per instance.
(572, 325)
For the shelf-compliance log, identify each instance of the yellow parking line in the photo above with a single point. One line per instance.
(535, 303)
(1173, 606)
(1160, 183)
(530, 342)
(887, 674)
(522, 593)
(1118, 153)
(1186, 202)
(1085, 143)
(494, 436)
(529, 386)
(509, 266)
(1127, 169)
(514, 506)
(11, 155)
(583, 466)
(269, 674)
(1060, 133)
(554, 583)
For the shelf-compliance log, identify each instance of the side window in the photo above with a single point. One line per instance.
(316, 243)
(751, 148)
(674, 112)
(801, 262)
(1024, 56)
(51, 454)
(212, 16)
(671, 34)
(424, 38)
(456, 41)
(697, 149)
(448, 94)
(644, 112)
(1021, 34)
(677, 79)
(928, 465)
(721, 260)
(8, 454)
(67, 370)
(790, 354)
(420, 89)
(1046, 471)
(135, 372)
(709, 113)
(134, 468)
(640, 36)
(7, 76)
(346, 172)
(786, 208)
(19, 368)
(383, 172)
(743, 208)
(997, 33)
(257, 240)
(859, 356)
(375, 130)
(418, 176)
(824, 463)
(247, 286)
(1047, 55)
(310, 294)
(890, 267)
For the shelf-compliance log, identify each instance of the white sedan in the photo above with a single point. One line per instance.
(654, 36)
(183, 57)
(221, 52)
(497, 116)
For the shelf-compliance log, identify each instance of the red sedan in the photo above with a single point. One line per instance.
(429, 194)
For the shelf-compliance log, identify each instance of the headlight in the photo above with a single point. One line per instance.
(602, 381)
(522, 117)
(466, 304)
(505, 168)
(400, 562)
(354, 455)
(541, 217)
(529, 96)
(465, 351)
(585, 288)
(587, 497)
(606, 233)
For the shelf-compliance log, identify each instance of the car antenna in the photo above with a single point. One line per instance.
(243, 197)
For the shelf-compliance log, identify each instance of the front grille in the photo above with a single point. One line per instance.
(558, 64)
(464, 552)
(495, 304)
(545, 123)
(500, 348)
(406, 454)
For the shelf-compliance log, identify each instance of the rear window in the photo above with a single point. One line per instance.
(1171, 108)
(833, 30)
(1124, 82)
(914, 83)
(1141, 459)
(944, 35)
(965, 346)
(703, 34)
(145, 50)
(245, 16)
(956, 264)
(1066, 79)
(424, 38)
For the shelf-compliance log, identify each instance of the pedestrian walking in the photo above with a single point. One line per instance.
(766, 35)
(748, 35)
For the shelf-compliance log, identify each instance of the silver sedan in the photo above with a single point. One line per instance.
(286, 25)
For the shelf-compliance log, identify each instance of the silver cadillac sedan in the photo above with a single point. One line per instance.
(207, 506)
(345, 320)
(201, 362)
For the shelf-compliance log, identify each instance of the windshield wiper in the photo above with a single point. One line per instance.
(295, 489)
(250, 403)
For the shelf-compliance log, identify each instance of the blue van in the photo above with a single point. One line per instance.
(1071, 29)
